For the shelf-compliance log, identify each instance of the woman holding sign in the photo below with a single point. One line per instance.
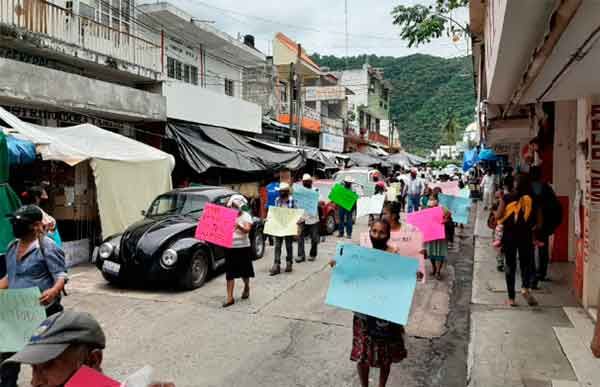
(376, 343)
(238, 259)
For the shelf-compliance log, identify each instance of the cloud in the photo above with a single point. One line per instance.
(319, 25)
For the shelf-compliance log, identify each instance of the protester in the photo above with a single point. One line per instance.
(498, 232)
(488, 185)
(64, 343)
(437, 250)
(519, 215)
(37, 195)
(414, 191)
(286, 200)
(32, 261)
(402, 195)
(425, 198)
(309, 226)
(238, 259)
(398, 232)
(376, 343)
(551, 210)
(345, 215)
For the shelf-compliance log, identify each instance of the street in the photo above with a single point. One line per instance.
(284, 335)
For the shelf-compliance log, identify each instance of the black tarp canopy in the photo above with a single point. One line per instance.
(214, 149)
(309, 153)
(365, 160)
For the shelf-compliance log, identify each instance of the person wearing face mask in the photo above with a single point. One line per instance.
(286, 200)
(37, 195)
(376, 343)
(33, 260)
(62, 344)
(437, 250)
(345, 215)
(309, 226)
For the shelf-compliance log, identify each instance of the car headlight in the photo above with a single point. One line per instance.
(169, 258)
(106, 250)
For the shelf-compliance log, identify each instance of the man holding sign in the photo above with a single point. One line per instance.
(309, 224)
(346, 199)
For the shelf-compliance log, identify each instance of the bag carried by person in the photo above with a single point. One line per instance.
(491, 222)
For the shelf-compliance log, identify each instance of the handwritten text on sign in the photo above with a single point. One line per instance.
(307, 199)
(459, 207)
(217, 225)
(20, 315)
(369, 205)
(282, 221)
(430, 222)
(373, 282)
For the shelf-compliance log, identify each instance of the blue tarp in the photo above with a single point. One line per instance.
(486, 154)
(470, 159)
(20, 151)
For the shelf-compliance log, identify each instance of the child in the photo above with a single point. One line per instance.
(498, 233)
(437, 250)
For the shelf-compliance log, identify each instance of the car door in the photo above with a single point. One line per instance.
(218, 251)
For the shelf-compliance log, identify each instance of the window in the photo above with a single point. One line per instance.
(377, 125)
(171, 67)
(178, 70)
(229, 88)
(186, 73)
(194, 75)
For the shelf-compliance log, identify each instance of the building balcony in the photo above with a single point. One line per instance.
(332, 126)
(196, 104)
(379, 139)
(311, 119)
(41, 26)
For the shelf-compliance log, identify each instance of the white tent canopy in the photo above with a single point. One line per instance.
(128, 173)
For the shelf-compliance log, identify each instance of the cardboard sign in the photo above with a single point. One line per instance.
(465, 193)
(430, 222)
(393, 192)
(447, 187)
(459, 207)
(373, 282)
(408, 242)
(282, 221)
(307, 199)
(369, 205)
(343, 197)
(88, 377)
(217, 225)
(20, 316)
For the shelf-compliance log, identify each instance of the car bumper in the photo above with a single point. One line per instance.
(136, 272)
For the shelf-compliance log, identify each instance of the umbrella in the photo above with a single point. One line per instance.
(487, 155)
(9, 201)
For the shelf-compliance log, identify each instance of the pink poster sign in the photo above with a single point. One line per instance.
(217, 225)
(87, 377)
(448, 187)
(430, 222)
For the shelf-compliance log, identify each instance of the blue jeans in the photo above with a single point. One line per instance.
(413, 203)
(345, 221)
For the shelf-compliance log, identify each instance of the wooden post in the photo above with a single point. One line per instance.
(596, 340)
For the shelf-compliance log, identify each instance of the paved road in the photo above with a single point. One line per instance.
(283, 336)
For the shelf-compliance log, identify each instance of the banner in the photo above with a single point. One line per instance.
(459, 207)
(282, 221)
(430, 222)
(307, 199)
(447, 187)
(343, 197)
(373, 282)
(20, 316)
(369, 205)
(217, 225)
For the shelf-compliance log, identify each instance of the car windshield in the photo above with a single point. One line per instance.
(177, 204)
(324, 189)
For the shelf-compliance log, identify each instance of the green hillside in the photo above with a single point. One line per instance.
(427, 91)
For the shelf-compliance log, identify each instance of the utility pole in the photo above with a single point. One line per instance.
(291, 97)
(299, 99)
(347, 39)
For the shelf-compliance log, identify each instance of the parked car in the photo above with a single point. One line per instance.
(361, 175)
(162, 248)
(328, 211)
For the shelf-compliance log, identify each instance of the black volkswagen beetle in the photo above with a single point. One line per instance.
(162, 248)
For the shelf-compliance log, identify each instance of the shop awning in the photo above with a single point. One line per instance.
(209, 148)
(118, 163)
(364, 160)
(9, 201)
(309, 153)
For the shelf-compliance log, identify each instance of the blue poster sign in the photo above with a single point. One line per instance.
(307, 199)
(460, 207)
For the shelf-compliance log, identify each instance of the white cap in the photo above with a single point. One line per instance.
(348, 179)
(306, 177)
(237, 201)
(283, 187)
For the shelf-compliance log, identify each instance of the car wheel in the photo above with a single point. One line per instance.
(197, 270)
(330, 225)
(259, 244)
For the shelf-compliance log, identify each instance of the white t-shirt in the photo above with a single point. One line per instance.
(241, 239)
(488, 182)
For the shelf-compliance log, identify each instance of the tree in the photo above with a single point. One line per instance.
(450, 130)
(421, 24)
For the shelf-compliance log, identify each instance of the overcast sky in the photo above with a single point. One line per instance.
(319, 25)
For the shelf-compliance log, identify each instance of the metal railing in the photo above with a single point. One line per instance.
(44, 18)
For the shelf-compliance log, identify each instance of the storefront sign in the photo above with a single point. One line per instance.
(325, 93)
(68, 118)
(332, 142)
(595, 159)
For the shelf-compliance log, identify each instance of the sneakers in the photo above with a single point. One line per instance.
(276, 269)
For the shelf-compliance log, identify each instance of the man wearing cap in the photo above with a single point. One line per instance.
(32, 261)
(309, 226)
(285, 199)
(345, 215)
(63, 343)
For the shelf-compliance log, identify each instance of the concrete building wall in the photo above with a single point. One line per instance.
(494, 21)
(201, 105)
(357, 81)
(565, 143)
(216, 71)
(27, 83)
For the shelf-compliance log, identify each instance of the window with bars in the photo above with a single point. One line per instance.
(180, 71)
(229, 88)
(171, 67)
(186, 73)
(194, 74)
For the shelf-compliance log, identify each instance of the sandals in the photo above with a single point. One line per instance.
(227, 304)
(246, 294)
